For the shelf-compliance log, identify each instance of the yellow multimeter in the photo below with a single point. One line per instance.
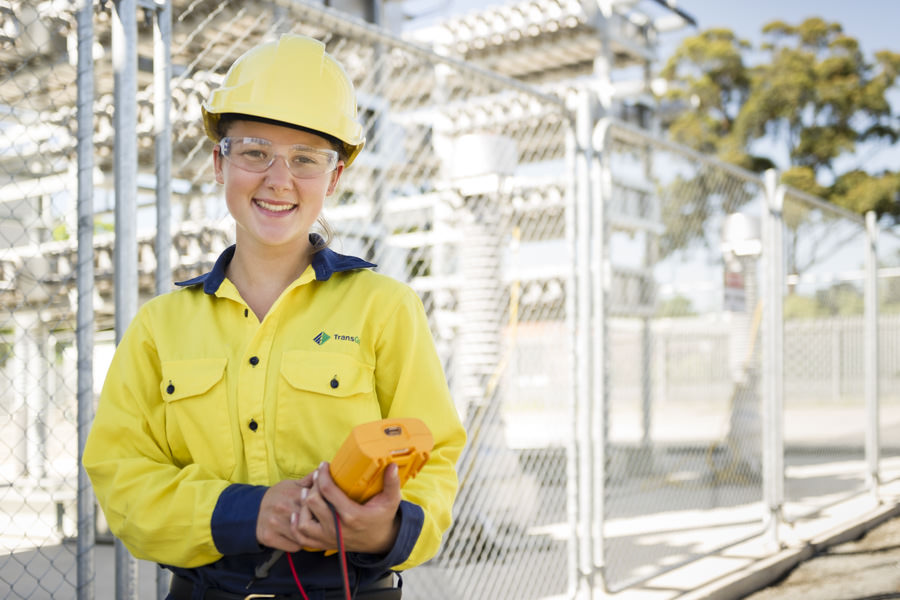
(358, 467)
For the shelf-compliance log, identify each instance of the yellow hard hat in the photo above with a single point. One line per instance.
(294, 81)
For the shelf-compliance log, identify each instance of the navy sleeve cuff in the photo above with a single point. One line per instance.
(233, 522)
(412, 517)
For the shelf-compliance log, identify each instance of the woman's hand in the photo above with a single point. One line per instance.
(371, 527)
(280, 503)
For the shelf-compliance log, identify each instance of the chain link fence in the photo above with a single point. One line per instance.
(824, 389)
(684, 418)
(38, 416)
(889, 350)
(470, 189)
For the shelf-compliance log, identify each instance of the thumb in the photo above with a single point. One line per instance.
(392, 478)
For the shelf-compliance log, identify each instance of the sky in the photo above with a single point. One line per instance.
(873, 22)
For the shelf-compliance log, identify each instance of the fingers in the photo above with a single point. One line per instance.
(371, 526)
(314, 522)
(392, 482)
(273, 523)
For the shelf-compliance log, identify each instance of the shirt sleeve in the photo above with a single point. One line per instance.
(410, 382)
(160, 510)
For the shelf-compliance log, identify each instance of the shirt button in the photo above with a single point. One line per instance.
(170, 389)
(253, 425)
(254, 360)
(334, 383)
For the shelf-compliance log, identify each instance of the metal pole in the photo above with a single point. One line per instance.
(162, 128)
(376, 145)
(162, 107)
(572, 287)
(772, 356)
(124, 53)
(601, 181)
(84, 340)
(84, 328)
(873, 444)
(583, 438)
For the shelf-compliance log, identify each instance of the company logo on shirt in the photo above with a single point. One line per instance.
(324, 337)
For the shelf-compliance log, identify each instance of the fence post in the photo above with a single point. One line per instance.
(162, 107)
(871, 362)
(124, 53)
(581, 343)
(773, 353)
(601, 182)
(572, 288)
(85, 310)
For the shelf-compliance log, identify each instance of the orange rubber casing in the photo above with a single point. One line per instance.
(358, 467)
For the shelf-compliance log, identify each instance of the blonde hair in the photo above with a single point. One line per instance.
(325, 237)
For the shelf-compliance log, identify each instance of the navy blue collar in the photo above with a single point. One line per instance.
(325, 263)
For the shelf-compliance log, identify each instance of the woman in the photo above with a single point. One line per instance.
(226, 398)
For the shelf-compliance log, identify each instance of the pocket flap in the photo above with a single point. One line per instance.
(326, 373)
(186, 378)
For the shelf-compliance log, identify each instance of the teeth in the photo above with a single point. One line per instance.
(274, 207)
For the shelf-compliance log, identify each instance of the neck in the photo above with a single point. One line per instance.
(261, 277)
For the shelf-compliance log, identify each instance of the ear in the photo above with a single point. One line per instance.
(217, 164)
(335, 177)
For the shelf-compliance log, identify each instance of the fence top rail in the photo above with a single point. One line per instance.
(637, 135)
(337, 20)
(823, 205)
(611, 126)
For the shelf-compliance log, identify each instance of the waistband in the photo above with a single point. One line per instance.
(182, 588)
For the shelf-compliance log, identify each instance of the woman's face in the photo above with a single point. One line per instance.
(274, 209)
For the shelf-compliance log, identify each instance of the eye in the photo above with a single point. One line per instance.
(255, 154)
(306, 159)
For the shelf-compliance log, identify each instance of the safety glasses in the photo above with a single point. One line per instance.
(257, 155)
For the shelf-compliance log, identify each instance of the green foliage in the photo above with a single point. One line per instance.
(60, 232)
(812, 91)
(802, 307)
(889, 292)
(842, 299)
(715, 84)
(677, 306)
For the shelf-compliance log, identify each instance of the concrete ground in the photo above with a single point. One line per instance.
(847, 552)
(854, 558)
(864, 569)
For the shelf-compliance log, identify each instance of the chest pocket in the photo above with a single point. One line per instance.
(321, 396)
(197, 423)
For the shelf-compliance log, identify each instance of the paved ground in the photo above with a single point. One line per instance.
(863, 569)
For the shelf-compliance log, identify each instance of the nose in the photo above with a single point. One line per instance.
(278, 176)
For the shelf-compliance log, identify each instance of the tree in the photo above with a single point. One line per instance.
(676, 306)
(814, 94)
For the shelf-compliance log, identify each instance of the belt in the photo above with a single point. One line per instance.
(182, 588)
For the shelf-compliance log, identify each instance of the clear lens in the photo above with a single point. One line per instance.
(257, 155)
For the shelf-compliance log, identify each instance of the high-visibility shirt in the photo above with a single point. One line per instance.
(204, 407)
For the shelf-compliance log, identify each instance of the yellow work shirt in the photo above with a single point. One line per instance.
(204, 407)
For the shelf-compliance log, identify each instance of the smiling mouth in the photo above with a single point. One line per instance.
(274, 207)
